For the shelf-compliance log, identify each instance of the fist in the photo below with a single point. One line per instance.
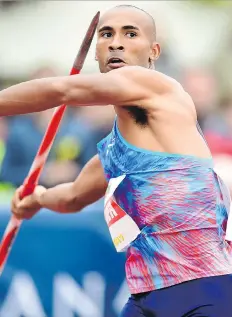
(28, 206)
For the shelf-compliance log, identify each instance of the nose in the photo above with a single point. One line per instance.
(113, 48)
(115, 45)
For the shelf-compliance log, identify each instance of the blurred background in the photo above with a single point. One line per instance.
(66, 265)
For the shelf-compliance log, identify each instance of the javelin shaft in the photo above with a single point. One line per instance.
(42, 154)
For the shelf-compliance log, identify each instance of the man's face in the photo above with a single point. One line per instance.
(125, 38)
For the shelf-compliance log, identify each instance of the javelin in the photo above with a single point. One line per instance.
(31, 180)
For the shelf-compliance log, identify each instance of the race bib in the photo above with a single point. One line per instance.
(122, 227)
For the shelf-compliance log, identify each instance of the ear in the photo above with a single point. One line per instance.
(155, 51)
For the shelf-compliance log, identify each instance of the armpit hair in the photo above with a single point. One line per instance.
(139, 115)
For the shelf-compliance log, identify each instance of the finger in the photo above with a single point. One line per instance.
(24, 213)
(31, 200)
(16, 212)
(19, 208)
(15, 200)
(17, 195)
(26, 203)
(27, 213)
(30, 214)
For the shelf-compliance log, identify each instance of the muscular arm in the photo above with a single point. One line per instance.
(125, 86)
(31, 96)
(89, 186)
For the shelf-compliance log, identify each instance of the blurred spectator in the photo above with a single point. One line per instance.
(99, 121)
(166, 63)
(3, 136)
(218, 128)
(88, 125)
(24, 137)
(202, 86)
(5, 4)
(76, 141)
(61, 165)
(218, 134)
(223, 166)
(223, 65)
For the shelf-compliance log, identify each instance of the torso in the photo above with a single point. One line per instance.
(170, 190)
(170, 128)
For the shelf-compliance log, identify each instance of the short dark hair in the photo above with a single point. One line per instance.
(149, 16)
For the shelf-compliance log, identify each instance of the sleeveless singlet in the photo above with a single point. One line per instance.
(168, 212)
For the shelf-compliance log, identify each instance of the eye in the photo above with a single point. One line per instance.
(131, 34)
(106, 34)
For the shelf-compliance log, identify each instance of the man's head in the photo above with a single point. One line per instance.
(126, 33)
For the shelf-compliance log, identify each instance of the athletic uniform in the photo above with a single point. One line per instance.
(169, 213)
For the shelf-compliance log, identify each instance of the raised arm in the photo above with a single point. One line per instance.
(124, 86)
(89, 186)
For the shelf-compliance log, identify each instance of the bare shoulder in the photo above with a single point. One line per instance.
(168, 93)
(151, 89)
(152, 79)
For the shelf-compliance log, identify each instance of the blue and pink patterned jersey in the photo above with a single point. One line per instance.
(178, 205)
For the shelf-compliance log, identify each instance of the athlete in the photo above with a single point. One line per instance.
(165, 206)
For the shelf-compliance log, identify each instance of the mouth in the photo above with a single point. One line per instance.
(115, 62)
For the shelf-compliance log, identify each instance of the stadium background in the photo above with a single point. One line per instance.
(66, 265)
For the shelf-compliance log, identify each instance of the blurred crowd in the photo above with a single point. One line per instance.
(83, 127)
(75, 143)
